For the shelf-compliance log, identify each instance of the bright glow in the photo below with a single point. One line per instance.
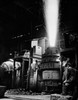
(51, 8)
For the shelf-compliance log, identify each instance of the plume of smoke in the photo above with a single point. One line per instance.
(51, 15)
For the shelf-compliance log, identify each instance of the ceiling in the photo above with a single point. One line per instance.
(20, 18)
(69, 15)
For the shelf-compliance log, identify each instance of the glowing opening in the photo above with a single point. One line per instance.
(51, 9)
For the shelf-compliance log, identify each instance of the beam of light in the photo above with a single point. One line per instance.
(51, 9)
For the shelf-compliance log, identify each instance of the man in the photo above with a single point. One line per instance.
(68, 79)
(34, 75)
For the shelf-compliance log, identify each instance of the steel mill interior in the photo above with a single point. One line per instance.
(28, 62)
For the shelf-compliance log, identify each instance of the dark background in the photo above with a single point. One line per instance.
(23, 20)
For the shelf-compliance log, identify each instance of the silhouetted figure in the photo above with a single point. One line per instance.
(68, 79)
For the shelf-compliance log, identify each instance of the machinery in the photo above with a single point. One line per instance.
(50, 69)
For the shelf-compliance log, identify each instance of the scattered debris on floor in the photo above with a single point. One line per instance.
(22, 92)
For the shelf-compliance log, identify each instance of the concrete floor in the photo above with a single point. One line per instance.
(36, 97)
(26, 97)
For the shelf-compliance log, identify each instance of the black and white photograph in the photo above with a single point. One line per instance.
(38, 49)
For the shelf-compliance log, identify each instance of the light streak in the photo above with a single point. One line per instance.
(51, 9)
